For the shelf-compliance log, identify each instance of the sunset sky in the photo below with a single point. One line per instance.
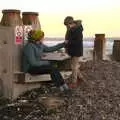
(98, 16)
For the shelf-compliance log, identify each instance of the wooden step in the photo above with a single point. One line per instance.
(23, 78)
(36, 78)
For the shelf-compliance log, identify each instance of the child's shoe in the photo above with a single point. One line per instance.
(79, 80)
(72, 85)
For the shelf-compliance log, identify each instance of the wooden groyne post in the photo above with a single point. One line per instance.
(99, 47)
(116, 50)
(11, 17)
(13, 81)
(11, 43)
(31, 18)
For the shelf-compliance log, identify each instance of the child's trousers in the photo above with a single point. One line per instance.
(75, 68)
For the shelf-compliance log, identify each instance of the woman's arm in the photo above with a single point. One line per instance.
(54, 48)
(30, 54)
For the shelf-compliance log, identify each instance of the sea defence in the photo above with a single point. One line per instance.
(13, 81)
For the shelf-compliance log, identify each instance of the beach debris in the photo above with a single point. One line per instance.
(51, 102)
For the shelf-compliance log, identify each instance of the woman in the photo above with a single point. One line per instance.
(32, 62)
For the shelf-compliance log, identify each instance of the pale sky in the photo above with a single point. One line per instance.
(98, 16)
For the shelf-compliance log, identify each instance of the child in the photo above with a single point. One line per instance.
(74, 46)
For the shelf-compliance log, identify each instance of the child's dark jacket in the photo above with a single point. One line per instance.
(75, 41)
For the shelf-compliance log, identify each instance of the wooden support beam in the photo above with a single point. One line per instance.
(99, 47)
(116, 50)
(23, 78)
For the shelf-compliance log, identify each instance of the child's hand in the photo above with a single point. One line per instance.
(66, 41)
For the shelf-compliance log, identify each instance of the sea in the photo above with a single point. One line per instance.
(88, 44)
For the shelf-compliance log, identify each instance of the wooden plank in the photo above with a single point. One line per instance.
(45, 77)
(36, 78)
(23, 78)
(6, 55)
(55, 56)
